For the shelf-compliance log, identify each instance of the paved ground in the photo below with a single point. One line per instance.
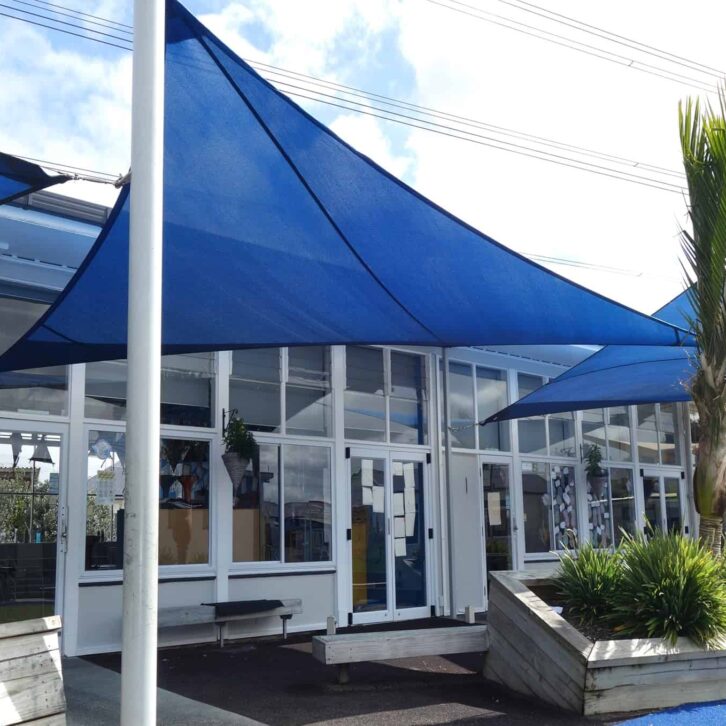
(281, 684)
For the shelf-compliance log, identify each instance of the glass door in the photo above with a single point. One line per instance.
(388, 536)
(662, 497)
(29, 524)
(498, 527)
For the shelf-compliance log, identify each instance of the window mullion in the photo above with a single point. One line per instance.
(281, 498)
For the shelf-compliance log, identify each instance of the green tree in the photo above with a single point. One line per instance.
(703, 143)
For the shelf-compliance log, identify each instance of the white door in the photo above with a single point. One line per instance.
(663, 500)
(388, 535)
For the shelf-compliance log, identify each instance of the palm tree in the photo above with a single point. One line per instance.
(703, 143)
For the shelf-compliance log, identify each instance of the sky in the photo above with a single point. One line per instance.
(67, 100)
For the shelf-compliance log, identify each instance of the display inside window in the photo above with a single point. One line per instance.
(254, 388)
(497, 516)
(550, 507)
(492, 396)
(183, 501)
(186, 389)
(305, 532)
(365, 401)
(308, 400)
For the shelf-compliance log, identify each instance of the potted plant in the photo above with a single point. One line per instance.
(240, 447)
(596, 475)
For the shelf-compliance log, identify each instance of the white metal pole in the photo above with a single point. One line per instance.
(141, 535)
(449, 483)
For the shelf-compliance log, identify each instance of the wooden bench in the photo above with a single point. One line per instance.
(209, 613)
(30, 673)
(344, 648)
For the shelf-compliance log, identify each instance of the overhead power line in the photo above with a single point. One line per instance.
(567, 42)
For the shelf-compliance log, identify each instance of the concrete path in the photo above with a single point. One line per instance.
(93, 694)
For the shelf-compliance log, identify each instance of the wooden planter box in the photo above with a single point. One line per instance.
(31, 680)
(538, 653)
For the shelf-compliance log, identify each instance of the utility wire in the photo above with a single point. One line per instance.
(75, 15)
(565, 42)
(462, 134)
(528, 7)
(82, 13)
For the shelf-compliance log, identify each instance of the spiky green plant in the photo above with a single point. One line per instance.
(670, 585)
(587, 581)
(703, 144)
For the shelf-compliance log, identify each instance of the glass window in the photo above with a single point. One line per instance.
(599, 512)
(623, 502)
(562, 434)
(308, 400)
(365, 401)
(306, 500)
(550, 507)
(618, 432)
(532, 432)
(670, 445)
(461, 406)
(492, 396)
(256, 515)
(409, 402)
(593, 431)
(695, 430)
(647, 434)
(183, 501)
(29, 488)
(186, 389)
(254, 388)
(308, 504)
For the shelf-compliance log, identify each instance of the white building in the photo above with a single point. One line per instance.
(346, 506)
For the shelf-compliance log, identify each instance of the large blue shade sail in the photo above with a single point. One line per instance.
(276, 232)
(19, 177)
(618, 375)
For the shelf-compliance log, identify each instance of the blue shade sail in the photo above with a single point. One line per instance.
(276, 232)
(617, 375)
(19, 177)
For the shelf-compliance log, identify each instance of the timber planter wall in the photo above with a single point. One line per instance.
(538, 653)
(31, 680)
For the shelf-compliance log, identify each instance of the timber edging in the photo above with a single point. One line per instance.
(536, 652)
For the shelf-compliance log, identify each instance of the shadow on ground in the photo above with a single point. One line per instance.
(281, 684)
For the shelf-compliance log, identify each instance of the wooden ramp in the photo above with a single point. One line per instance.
(344, 648)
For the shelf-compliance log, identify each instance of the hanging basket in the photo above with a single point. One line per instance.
(235, 466)
(598, 481)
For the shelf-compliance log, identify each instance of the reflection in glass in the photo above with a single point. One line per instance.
(593, 431)
(672, 491)
(409, 538)
(623, 502)
(562, 434)
(256, 514)
(254, 388)
(618, 430)
(599, 510)
(308, 504)
(497, 516)
(653, 509)
(183, 500)
(670, 449)
(408, 403)
(492, 396)
(532, 432)
(308, 401)
(29, 487)
(647, 434)
(461, 406)
(368, 519)
(537, 507)
(365, 403)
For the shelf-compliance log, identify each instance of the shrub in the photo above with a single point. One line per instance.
(670, 586)
(588, 582)
(239, 439)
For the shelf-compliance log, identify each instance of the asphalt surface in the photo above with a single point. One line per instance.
(280, 683)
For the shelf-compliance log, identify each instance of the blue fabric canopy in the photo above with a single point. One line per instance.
(617, 375)
(276, 232)
(19, 177)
